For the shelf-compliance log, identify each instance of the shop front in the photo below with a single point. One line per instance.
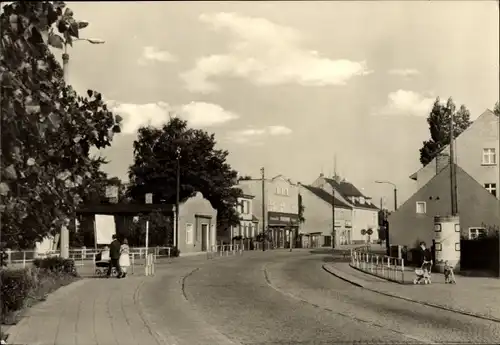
(281, 226)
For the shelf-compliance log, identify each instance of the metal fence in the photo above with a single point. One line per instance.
(83, 256)
(225, 250)
(382, 266)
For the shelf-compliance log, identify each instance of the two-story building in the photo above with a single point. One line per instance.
(317, 230)
(477, 182)
(476, 152)
(280, 200)
(249, 224)
(364, 212)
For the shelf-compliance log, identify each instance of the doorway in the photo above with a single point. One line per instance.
(204, 237)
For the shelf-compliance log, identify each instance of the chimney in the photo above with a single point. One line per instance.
(321, 175)
(442, 161)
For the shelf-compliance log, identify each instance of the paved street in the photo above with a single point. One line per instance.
(272, 297)
(298, 303)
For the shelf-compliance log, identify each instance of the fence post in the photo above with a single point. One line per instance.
(402, 270)
(24, 259)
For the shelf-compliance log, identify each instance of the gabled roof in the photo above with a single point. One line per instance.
(485, 113)
(444, 172)
(347, 190)
(325, 196)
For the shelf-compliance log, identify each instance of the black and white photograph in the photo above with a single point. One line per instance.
(249, 172)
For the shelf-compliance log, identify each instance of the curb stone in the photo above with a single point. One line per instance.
(356, 282)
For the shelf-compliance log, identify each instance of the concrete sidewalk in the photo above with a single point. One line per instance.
(96, 311)
(479, 297)
(90, 311)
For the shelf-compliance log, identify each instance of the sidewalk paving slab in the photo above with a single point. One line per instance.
(478, 297)
(89, 311)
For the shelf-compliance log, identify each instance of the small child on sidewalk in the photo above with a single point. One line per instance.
(449, 275)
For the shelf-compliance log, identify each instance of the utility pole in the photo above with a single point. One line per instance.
(395, 198)
(262, 173)
(177, 197)
(453, 175)
(334, 231)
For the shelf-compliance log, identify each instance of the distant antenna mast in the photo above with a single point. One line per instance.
(335, 166)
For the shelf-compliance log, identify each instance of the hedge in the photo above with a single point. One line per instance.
(21, 288)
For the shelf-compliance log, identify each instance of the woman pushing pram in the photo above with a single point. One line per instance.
(424, 272)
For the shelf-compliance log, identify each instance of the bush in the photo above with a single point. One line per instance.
(21, 288)
(56, 264)
(16, 287)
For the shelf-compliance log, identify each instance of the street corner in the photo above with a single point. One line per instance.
(341, 274)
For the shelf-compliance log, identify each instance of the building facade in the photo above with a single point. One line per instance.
(316, 230)
(414, 220)
(249, 225)
(476, 151)
(280, 206)
(364, 212)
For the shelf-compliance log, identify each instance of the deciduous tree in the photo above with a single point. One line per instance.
(47, 128)
(203, 168)
(439, 127)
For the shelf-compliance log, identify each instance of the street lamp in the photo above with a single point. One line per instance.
(387, 244)
(395, 192)
(57, 41)
(177, 193)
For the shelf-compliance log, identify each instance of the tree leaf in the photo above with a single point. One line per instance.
(73, 29)
(68, 12)
(56, 41)
(62, 26)
(116, 129)
(82, 24)
(90, 93)
(4, 189)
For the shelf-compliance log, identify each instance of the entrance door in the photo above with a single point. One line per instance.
(204, 237)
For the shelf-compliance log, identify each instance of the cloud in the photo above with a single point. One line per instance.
(404, 102)
(152, 54)
(408, 72)
(266, 54)
(254, 136)
(198, 114)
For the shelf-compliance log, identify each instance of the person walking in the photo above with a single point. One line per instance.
(114, 255)
(124, 257)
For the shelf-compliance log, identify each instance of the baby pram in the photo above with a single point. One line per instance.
(102, 260)
(423, 273)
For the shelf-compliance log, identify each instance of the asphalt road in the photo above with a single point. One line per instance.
(287, 298)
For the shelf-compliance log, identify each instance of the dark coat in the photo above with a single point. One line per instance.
(114, 250)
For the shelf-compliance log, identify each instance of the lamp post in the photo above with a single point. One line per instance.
(387, 244)
(395, 192)
(177, 196)
(64, 236)
(262, 172)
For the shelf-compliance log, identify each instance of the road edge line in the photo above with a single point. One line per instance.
(429, 304)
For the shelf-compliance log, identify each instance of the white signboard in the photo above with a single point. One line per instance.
(105, 228)
(149, 198)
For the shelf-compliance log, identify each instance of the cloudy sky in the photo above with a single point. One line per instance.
(289, 85)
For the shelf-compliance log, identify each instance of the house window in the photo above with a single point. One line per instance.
(489, 156)
(189, 233)
(270, 206)
(286, 191)
(421, 207)
(475, 233)
(491, 187)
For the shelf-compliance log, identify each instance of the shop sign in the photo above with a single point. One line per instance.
(279, 218)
